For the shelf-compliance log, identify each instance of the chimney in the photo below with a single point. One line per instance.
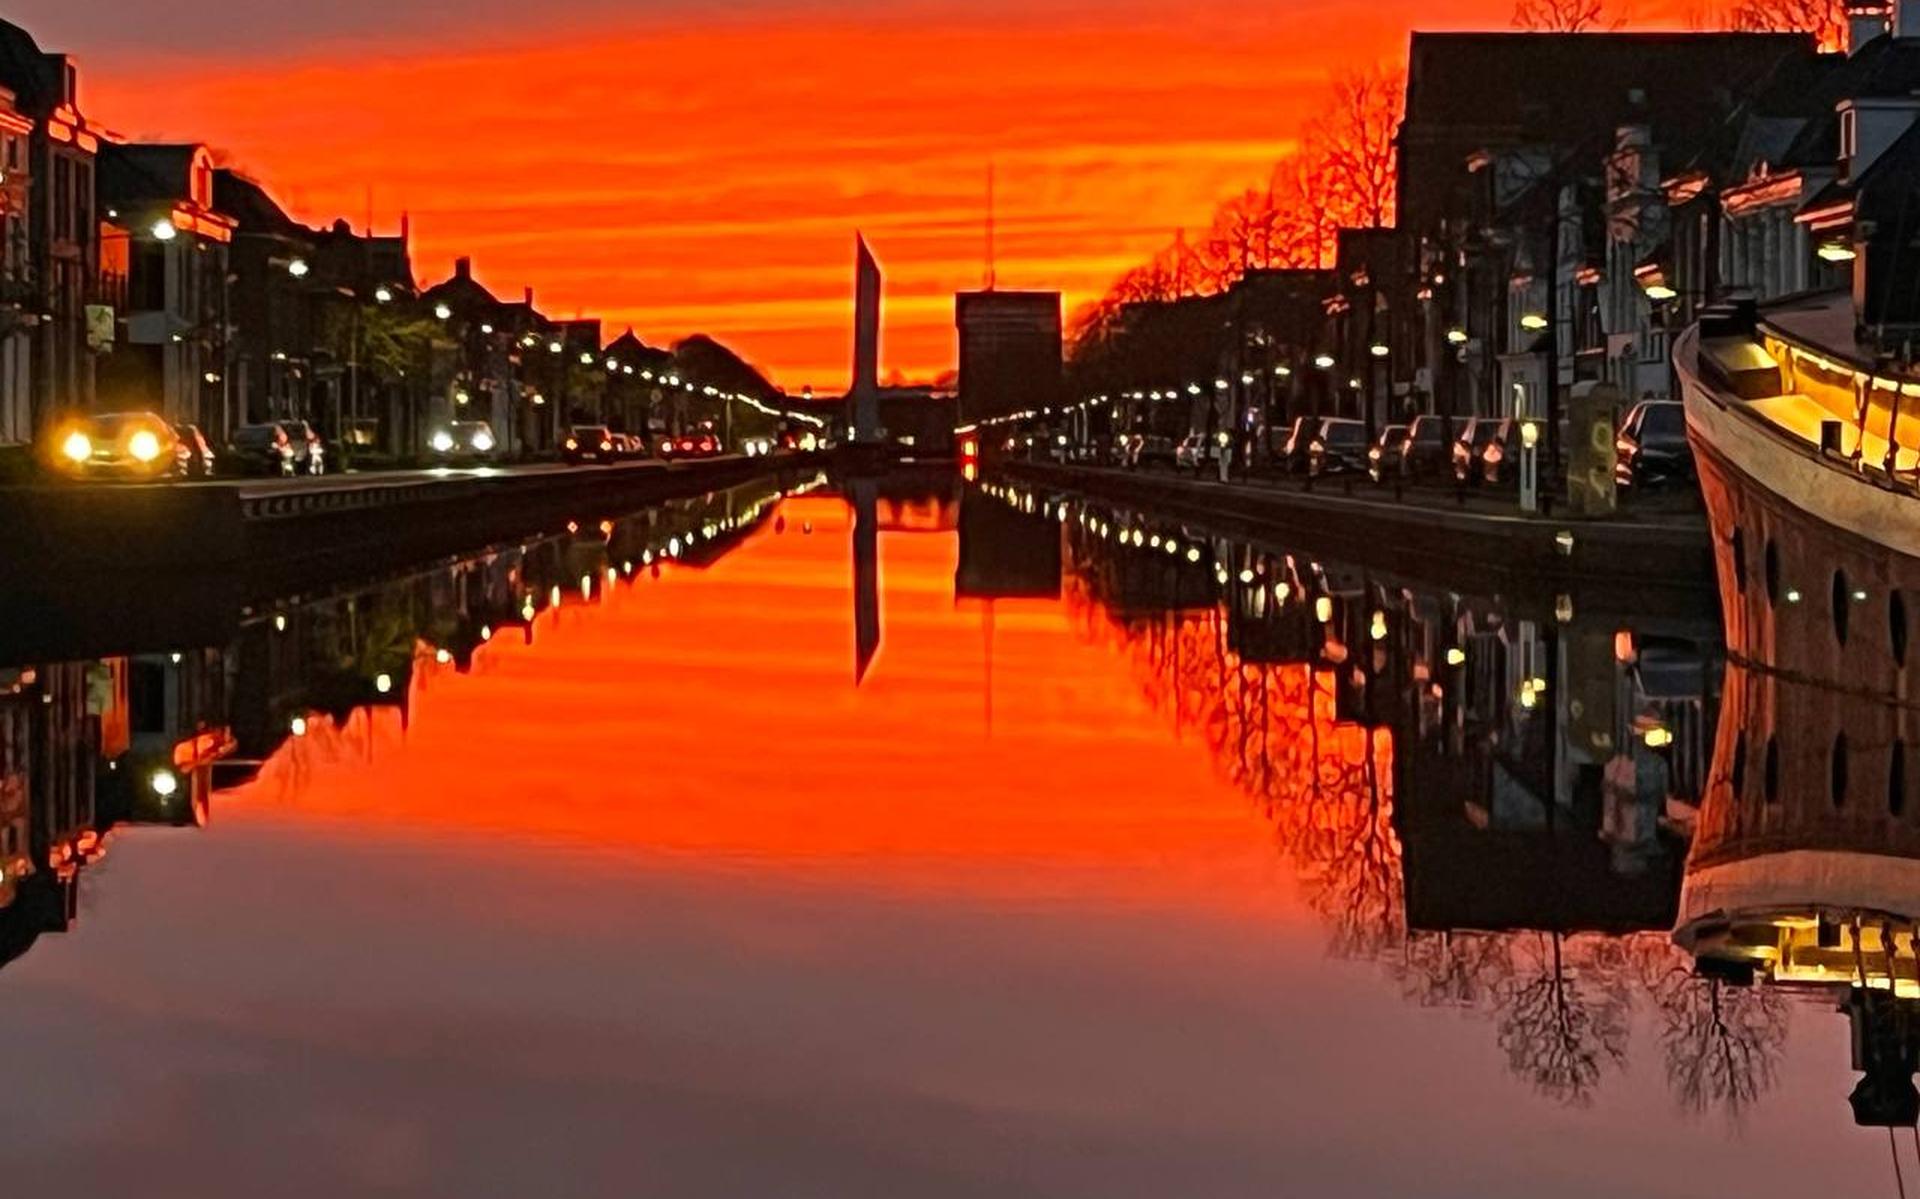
(463, 268)
(1866, 20)
(529, 297)
(1904, 18)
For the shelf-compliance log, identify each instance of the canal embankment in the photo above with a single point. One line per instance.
(1476, 546)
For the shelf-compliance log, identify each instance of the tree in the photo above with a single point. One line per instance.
(1826, 20)
(1562, 16)
(1561, 1025)
(1353, 142)
(1723, 1044)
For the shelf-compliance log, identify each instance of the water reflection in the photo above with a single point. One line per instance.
(1421, 834)
(149, 735)
(1492, 803)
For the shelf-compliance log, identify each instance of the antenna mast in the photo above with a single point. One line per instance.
(990, 271)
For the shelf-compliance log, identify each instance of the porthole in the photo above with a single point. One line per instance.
(1739, 546)
(1739, 770)
(1770, 771)
(1897, 780)
(1842, 601)
(1897, 626)
(1839, 769)
(1772, 568)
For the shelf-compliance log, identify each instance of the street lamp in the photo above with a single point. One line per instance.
(298, 268)
(1378, 349)
(1323, 361)
(1533, 321)
(383, 295)
(163, 230)
(443, 312)
(1456, 336)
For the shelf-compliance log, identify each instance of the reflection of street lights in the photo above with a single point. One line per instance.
(383, 295)
(298, 268)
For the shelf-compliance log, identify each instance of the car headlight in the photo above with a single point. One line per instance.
(144, 446)
(77, 446)
(483, 441)
(442, 441)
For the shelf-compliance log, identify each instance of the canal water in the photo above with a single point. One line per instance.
(891, 839)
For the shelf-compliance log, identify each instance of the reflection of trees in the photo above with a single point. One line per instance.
(1561, 1025)
(1561, 1002)
(1722, 1043)
(1273, 731)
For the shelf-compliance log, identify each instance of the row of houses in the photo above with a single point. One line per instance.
(1566, 204)
(147, 276)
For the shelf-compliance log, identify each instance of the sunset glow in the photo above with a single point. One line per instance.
(683, 171)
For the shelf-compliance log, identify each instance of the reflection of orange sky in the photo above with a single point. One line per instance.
(707, 174)
(713, 714)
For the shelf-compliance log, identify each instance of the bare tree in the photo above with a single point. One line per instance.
(1353, 144)
(1723, 1044)
(1826, 20)
(1561, 1026)
(1562, 16)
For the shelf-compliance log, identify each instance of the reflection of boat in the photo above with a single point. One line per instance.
(1805, 868)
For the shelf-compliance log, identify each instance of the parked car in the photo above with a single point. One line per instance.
(1383, 456)
(1197, 452)
(263, 449)
(117, 445)
(1426, 453)
(1339, 445)
(1467, 444)
(689, 445)
(1499, 455)
(1150, 449)
(587, 443)
(309, 452)
(1652, 446)
(465, 441)
(1290, 452)
(629, 446)
(200, 460)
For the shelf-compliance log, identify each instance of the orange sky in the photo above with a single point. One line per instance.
(662, 165)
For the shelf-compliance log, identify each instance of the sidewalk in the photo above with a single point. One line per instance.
(1662, 541)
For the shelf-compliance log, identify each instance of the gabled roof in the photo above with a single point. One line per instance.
(236, 196)
(629, 348)
(29, 71)
(135, 172)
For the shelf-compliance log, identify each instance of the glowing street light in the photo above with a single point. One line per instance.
(1456, 337)
(1378, 349)
(383, 295)
(163, 230)
(298, 268)
(443, 312)
(1534, 321)
(1323, 361)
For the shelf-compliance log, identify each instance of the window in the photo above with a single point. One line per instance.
(1772, 568)
(1897, 780)
(1770, 771)
(1839, 769)
(1849, 134)
(1739, 546)
(1842, 601)
(1739, 771)
(1897, 626)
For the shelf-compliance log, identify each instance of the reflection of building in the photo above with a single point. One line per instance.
(1009, 352)
(1005, 554)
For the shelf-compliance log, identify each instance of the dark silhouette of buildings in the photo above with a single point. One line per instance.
(1010, 356)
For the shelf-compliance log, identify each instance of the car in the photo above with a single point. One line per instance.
(1383, 456)
(1499, 456)
(1150, 449)
(1467, 444)
(1427, 450)
(200, 462)
(588, 443)
(1196, 452)
(1339, 445)
(1652, 446)
(465, 441)
(122, 445)
(262, 449)
(629, 446)
(309, 452)
(1290, 454)
(689, 445)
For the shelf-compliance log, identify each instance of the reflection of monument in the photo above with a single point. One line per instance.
(1805, 869)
